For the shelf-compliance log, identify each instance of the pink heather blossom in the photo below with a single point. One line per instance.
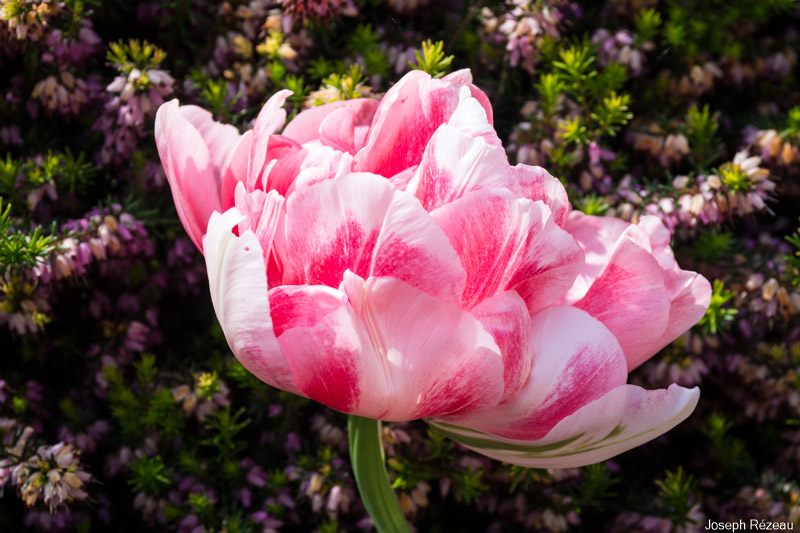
(385, 259)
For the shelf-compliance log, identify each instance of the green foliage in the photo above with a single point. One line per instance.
(149, 475)
(135, 54)
(225, 428)
(469, 485)
(701, 129)
(792, 130)
(718, 316)
(647, 22)
(596, 487)
(365, 42)
(675, 496)
(432, 59)
(793, 260)
(146, 407)
(729, 453)
(592, 204)
(20, 250)
(713, 245)
(217, 98)
(526, 477)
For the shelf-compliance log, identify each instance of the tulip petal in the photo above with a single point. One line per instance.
(306, 125)
(505, 243)
(337, 130)
(630, 298)
(235, 169)
(269, 120)
(360, 222)
(238, 280)
(428, 356)
(624, 418)
(597, 237)
(536, 183)
(220, 139)
(406, 118)
(506, 319)
(454, 164)
(575, 361)
(464, 77)
(189, 166)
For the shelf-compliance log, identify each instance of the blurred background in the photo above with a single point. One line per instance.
(115, 375)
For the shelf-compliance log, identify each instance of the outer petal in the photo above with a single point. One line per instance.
(361, 223)
(509, 243)
(189, 165)
(269, 120)
(235, 169)
(597, 237)
(576, 360)
(454, 164)
(429, 357)
(306, 125)
(238, 281)
(464, 77)
(404, 122)
(506, 318)
(624, 418)
(219, 138)
(537, 184)
(630, 298)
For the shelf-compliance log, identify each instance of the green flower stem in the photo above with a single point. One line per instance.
(366, 454)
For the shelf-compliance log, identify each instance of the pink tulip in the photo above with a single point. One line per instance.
(385, 259)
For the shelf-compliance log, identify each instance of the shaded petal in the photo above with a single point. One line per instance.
(269, 120)
(404, 122)
(220, 139)
(238, 281)
(454, 164)
(428, 357)
(624, 418)
(630, 298)
(362, 223)
(575, 361)
(306, 125)
(505, 243)
(337, 130)
(470, 117)
(536, 183)
(464, 77)
(236, 169)
(506, 319)
(597, 237)
(189, 166)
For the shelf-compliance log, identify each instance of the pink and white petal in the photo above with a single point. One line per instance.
(536, 183)
(319, 333)
(470, 117)
(454, 164)
(305, 126)
(576, 360)
(434, 358)
(506, 243)
(464, 77)
(238, 281)
(406, 118)
(337, 130)
(190, 170)
(219, 138)
(360, 222)
(506, 318)
(261, 211)
(630, 297)
(269, 120)
(235, 169)
(306, 167)
(686, 309)
(624, 418)
(597, 237)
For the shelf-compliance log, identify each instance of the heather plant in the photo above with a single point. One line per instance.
(121, 405)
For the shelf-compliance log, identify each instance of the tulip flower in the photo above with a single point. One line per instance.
(386, 260)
